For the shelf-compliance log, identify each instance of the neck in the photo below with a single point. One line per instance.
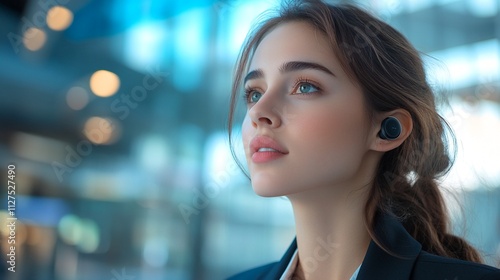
(332, 238)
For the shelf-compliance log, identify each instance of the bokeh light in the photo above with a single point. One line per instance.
(104, 83)
(59, 18)
(77, 98)
(83, 233)
(101, 131)
(155, 252)
(70, 229)
(34, 38)
(90, 236)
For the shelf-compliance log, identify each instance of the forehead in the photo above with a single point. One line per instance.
(293, 41)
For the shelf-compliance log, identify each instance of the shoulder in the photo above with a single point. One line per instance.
(255, 273)
(409, 261)
(429, 266)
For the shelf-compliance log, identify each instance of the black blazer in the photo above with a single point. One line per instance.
(413, 263)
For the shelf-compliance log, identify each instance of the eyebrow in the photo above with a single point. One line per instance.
(289, 66)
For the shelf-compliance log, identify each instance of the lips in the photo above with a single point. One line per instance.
(264, 149)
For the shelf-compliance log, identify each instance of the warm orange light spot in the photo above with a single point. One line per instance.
(104, 83)
(59, 18)
(34, 38)
(101, 131)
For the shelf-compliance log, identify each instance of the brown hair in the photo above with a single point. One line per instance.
(390, 72)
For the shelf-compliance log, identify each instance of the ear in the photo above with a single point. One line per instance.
(383, 145)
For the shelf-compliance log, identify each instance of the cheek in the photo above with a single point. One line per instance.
(246, 133)
(332, 136)
(332, 123)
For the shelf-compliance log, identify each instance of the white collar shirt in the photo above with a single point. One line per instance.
(292, 265)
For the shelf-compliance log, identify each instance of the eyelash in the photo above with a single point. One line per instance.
(247, 93)
(302, 80)
(298, 82)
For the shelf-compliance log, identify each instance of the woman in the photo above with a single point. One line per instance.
(340, 119)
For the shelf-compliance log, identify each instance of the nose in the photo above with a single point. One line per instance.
(265, 113)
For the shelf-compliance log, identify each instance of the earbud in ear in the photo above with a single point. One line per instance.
(390, 128)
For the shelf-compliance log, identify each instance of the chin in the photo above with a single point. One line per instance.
(267, 192)
(267, 183)
(269, 189)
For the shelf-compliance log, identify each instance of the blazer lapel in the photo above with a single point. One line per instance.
(379, 264)
(279, 268)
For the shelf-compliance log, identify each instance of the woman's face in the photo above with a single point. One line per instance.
(306, 125)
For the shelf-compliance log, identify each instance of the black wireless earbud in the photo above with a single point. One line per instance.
(390, 128)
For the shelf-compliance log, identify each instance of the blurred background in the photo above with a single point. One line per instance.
(113, 114)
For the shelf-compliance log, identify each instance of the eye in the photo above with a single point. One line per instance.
(304, 87)
(252, 96)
